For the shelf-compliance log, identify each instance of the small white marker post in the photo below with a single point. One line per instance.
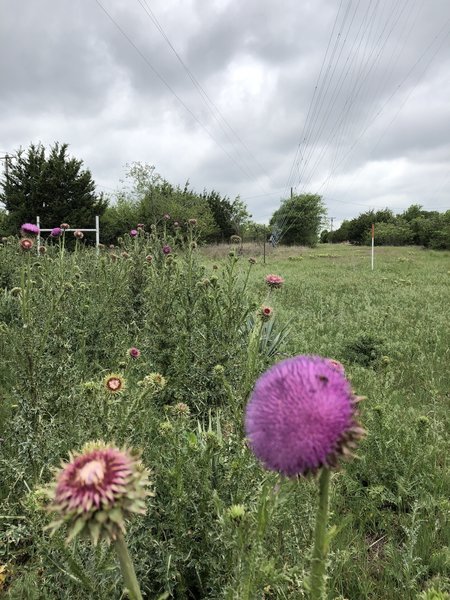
(373, 242)
(97, 233)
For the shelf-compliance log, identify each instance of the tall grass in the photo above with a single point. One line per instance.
(219, 526)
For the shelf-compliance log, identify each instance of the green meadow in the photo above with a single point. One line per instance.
(219, 525)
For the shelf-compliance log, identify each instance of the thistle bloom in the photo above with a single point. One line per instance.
(133, 233)
(97, 490)
(167, 249)
(140, 226)
(134, 352)
(154, 380)
(274, 281)
(65, 226)
(26, 244)
(114, 383)
(56, 232)
(192, 222)
(265, 312)
(30, 228)
(176, 224)
(166, 217)
(149, 258)
(302, 416)
(78, 234)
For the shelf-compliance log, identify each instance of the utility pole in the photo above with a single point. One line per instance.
(292, 193)
(331, 229)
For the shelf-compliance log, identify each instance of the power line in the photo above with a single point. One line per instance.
(169, 87)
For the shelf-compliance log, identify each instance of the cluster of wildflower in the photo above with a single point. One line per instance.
(98, 490)
(302, 416)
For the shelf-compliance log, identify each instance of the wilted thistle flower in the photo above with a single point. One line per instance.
(134, 352)
(113, 257)
(192, 222)
(176, 224)
(16, 291)
(274, 281)
(252, 260)
(181, 409)
(125, 255)
(140, 226)
(302, 416)
(65, 226)
(78, 234)
(26, 244)
(166, 217)
(114, 383)
(193, 245)
(166, 249)
(56, 232)
(112, 247)
(30, 228)
(42, 249)
(133, 233)
(98, 490)
(235, 239)
(149, 258)
(265, 312)
(154, 380)
(215, 267)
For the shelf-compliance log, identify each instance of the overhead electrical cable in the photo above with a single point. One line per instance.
(169, 87)
(208, 102)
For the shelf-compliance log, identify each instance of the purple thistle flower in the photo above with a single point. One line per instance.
(30, 228)
(134, 352)
(167, 249)
(56, 232)
(301, 416)
(133, 233)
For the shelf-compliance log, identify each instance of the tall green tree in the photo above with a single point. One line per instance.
(53, 186)
(299, 219)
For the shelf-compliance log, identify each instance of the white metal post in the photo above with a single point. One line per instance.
(373, 243)
(97, 233)
(38, 239)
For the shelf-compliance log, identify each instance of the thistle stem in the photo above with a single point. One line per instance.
(126, 566)
(319, 559)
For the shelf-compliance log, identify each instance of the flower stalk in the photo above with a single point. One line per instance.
(320, 550)
(127, 568)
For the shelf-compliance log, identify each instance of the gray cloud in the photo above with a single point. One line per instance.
(377, 132)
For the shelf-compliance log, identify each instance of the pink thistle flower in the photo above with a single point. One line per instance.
(114, 383)
(30, 228)
(274, 281)
(65, 226)
(265, 312)
(78, 234)
(26, 244)
(134, 352)
(56, 232)
(133, 233)
(97, 490)
(166, 249)
(302, 416)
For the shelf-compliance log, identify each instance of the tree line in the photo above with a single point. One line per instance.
(57, 188)
(414, 226)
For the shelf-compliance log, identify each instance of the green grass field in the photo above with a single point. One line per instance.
(66, 321)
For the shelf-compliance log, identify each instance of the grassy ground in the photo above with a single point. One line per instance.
(67, 321)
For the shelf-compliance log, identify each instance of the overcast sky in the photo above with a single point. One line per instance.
(346, 98)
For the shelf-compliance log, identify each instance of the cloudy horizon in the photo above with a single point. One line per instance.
(345, 98)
